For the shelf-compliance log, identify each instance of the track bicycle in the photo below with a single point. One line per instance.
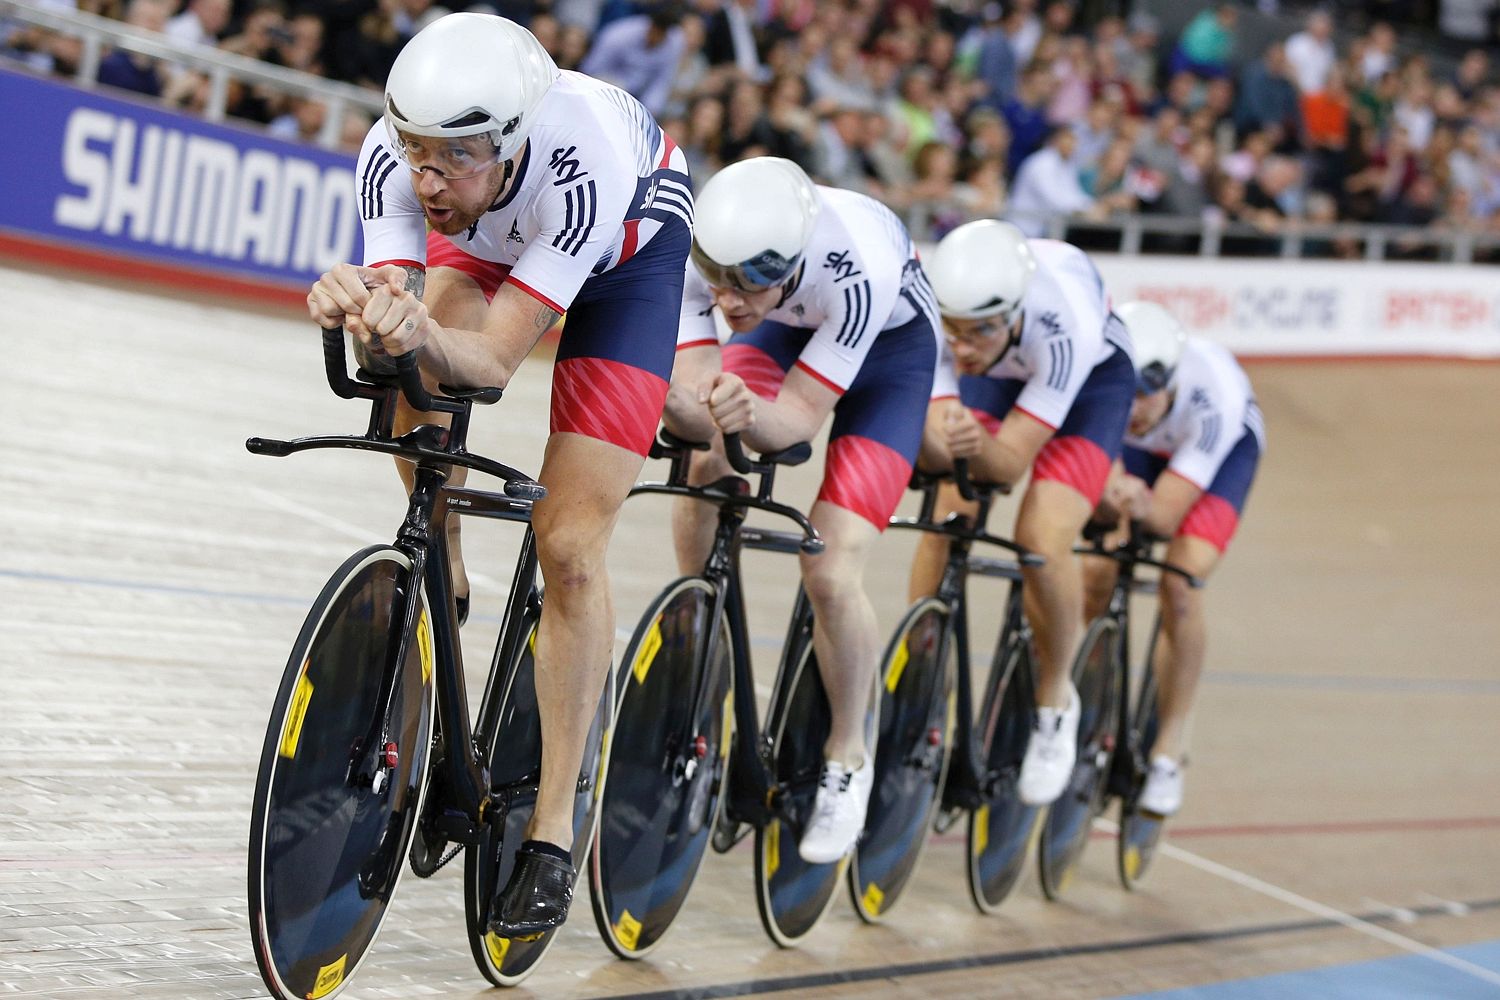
(692, 764)
(1115, 731)
(369, 756)
(927, 670)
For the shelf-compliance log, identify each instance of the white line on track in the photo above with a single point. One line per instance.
(1322, 910)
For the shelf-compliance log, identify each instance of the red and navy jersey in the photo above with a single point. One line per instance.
(598, 178)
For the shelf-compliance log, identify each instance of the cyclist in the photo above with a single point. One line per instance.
(1195, 418)
(497, 193)
(1045, 383)
(831, 314)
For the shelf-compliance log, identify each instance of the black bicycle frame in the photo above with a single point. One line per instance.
(422, 538)
(1128, 556)
(753, 794)
(969, 783)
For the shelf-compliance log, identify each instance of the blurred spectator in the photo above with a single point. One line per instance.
(38, 48)
(837, 78)
(692, 76)
(264, 28)
(1472, 73)
(200, 23)
(131, 70)
(1325, 124)
(1207, 43)
(1311, 54)
(1072, 73)
(1267, 96)
(640, 54)
(1047, 185)
(836, 155)
(735, 35)
(702, 139)
(1140, 62)
(1026, 115)
(932, 206)
(996, 65)
(1413, 111)
(302, 47)
(1024, 30)
(794, 129)
(1379, 56)
(302, 123)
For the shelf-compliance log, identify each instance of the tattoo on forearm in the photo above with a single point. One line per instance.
(416, 280)
(544, 319)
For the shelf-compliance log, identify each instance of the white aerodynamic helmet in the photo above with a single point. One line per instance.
(469, 74)
(1158, 340)
(981, 269)
(752, 222)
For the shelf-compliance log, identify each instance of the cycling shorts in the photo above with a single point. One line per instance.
(1084, 447)
(614, 359)
(877, 422)
(1216, 515)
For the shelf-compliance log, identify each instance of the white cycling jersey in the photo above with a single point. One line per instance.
(859, 276)
(1066, 330)
(598, 178)
(1213, 406)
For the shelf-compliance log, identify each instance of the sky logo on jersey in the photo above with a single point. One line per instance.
(143, 182)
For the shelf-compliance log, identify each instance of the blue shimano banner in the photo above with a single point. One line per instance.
(110, 174)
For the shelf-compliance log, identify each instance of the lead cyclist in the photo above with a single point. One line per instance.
(496, 193)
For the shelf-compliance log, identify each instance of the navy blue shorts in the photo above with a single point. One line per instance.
(878, 420)
(1216, 515)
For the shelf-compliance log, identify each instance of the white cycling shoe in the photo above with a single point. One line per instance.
(838, 816)
(1050, 753)
(1162, 793)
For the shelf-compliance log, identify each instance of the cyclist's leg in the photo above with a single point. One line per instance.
(845, 637)
(1200, 543)
(587, 481)
(1067, 481)
(876, 433)
(1051, 516)
(1180, 651)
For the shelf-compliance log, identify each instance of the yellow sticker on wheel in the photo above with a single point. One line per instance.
(1132, 862)
(296, 714)
(773, 847)
(424, 645)
(329, 978)
(649, 647)
(497, 946)
(981, 829)
(726, 734)
(898, 664)
(872, 899)
(628, 931)
(531, 644)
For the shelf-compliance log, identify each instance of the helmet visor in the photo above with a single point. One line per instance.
(1152, 378)
(765, 270)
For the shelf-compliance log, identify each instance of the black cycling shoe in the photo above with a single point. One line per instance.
(536, 898)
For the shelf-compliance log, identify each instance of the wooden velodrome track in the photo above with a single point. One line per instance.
(1343, 804)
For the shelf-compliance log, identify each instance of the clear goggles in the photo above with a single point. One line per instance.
(454, 158)
(765, 270)
(975, 333)
(1153, 378)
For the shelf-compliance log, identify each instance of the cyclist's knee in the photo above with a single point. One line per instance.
(571, 552)
(1178, 599)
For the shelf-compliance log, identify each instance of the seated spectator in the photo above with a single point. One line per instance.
(736, 35)
(302, 48)
(836, 155)
(932, 207)
(995, 64)
(794, 130)
(747, 132)
(702, 139)
(200, 23)
(1047, 186)
(1139, 63)
(1325, 131)
(1207, 43)
(1026, 115)
(915, 108)
(40, 49)
(130, 70)
(264, 28)
(640, 54)
(1414, 113)
(1268, 96)
(1073, 75)
(1472, 74)
(838, 78)
(1311, 54)
(1379, 56)
(1096, 133)
(302, 123)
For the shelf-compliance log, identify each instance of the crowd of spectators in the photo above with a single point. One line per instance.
(949, 111)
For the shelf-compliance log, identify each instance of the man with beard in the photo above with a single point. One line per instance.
(497, 193)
